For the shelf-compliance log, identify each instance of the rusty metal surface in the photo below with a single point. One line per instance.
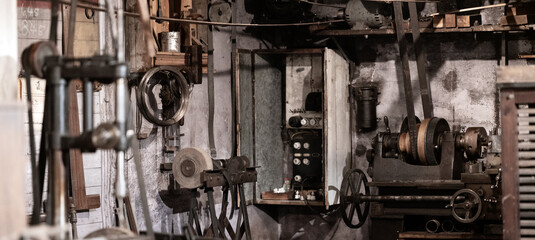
(216, 178)
(390, 169)
(510, 191)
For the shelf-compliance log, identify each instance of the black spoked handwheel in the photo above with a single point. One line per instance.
(353, 186)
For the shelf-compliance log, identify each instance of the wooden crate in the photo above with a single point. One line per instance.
(445, 21)
(468, 20)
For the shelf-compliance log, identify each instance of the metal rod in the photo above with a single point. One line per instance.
(233, 82)
(425, 89)
(404, 55)
(131, 14)
(88, 105)
(243, 209)
(120, 186)
(56, 187)
(393, 198)
(215, 222)
(211, 101)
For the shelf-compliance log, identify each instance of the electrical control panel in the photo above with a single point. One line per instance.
(294, 121)
(304, 118)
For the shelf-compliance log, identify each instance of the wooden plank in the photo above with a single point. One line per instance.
(517, 20)
(520, 9)
(177, 59)
(445, 21)
(515, 74)
(464, 21)
(278, 196)
(189, 30)
(76, 160)
(289, 202)
(93, 202)
(510, 182)
(164, 25)
(336, 124)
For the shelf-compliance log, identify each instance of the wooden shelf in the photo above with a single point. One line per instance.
(391, 31)
(450, 235)
(177, 59)
(289, 202)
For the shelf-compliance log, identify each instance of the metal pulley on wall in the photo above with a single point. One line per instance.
(220, 11)
(174, 95)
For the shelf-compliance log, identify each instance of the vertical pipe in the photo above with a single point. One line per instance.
(56, 190)
(121, 104)
(88, 105)
(233, 82)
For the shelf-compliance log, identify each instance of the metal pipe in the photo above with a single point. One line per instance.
(447, 226)
(56, 187)
(88, 105)
(392, 198)
(432, 226)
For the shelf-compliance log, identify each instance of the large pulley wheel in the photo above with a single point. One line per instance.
(465, 205)
(428, 141)
(353, 185)
(405, 141)
(169, 105)
(429, 147)
(188, 165)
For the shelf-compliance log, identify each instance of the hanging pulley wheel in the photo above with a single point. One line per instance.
(188, 165)
(220, 11)
(163, 95)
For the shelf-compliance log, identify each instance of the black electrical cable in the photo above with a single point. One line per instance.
(313, 210)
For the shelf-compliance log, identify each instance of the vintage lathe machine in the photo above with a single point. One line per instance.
(442, 187)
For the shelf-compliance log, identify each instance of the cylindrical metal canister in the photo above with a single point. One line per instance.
(170, 41)
(366, 108)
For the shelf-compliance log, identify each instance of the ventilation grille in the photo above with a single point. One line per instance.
(526, 169)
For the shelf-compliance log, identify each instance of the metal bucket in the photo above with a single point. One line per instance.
(170, 41)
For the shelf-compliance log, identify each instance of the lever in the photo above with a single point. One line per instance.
(386, 124)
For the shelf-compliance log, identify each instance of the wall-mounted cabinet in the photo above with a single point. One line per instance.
(294, 123)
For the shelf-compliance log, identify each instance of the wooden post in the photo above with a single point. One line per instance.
(189, 31)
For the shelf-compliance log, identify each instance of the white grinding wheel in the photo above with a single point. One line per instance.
(188, 165)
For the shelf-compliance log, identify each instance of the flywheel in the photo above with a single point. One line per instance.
(188, 165)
